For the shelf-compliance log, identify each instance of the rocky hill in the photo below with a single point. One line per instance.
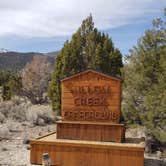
(15, 61)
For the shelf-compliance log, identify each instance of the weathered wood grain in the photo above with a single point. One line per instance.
(86, 153)
(90, 131)
(90, 91)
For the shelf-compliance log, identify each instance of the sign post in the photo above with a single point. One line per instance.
(92, 100)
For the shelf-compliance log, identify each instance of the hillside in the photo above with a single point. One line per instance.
(15, 61)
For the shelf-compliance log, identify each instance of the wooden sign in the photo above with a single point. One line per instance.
(91, 104)
(91, 96)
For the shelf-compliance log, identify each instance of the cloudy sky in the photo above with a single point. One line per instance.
(44, 25)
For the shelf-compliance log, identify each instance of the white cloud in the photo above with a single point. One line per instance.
(48, 18)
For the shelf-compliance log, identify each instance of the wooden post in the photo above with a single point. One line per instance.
(46, 161)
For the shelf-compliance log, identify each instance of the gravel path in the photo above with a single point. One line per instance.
(15, 151)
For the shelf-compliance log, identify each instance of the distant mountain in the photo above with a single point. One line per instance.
(52, 54)
(2, 50)
(15, 61)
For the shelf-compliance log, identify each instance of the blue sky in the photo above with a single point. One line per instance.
(44, 25)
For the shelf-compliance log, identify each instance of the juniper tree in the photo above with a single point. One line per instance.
(88, 48)
(145, 81)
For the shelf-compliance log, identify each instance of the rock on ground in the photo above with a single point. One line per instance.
(14, 147)
(2, 118)
(4, 132)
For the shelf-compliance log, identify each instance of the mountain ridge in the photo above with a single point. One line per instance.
(15, 61)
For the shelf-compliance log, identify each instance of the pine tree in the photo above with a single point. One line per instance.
(88, 48)
(145, 82)
(6, 92)
(98, 57)
(11, 84)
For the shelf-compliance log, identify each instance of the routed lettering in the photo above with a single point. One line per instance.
(91, 97)
(90, 90)
(86, 101)
(90, 115)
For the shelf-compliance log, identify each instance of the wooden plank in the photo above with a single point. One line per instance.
(100, 145)
(90, 131)
(86, 153)
(90, 73)
(90, 123)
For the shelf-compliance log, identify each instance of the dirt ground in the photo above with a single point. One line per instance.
(15, 150)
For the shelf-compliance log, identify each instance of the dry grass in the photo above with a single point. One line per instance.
(36, 112)
(20, 110)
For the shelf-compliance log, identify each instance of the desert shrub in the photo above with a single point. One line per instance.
(2, 118)
(13, 111)
(35, 78)
(4, 132)
(35, 113)
(6, 92)
(5, 107)
(21, 110)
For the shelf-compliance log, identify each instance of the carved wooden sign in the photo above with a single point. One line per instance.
(91, 96)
